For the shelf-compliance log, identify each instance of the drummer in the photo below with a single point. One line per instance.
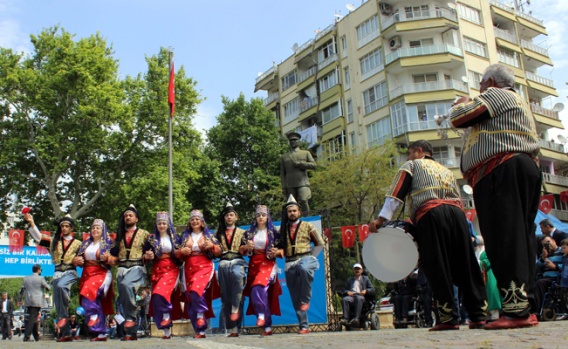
(446, 253)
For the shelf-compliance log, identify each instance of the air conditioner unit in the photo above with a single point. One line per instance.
(394, 43)
(386, 9)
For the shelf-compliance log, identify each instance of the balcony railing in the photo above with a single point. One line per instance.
(368, 38)
(505, 35)
(517, 12)
(271, 98)
(554, 179)
(428, 86)
(325, 31)
(304, 46)
(303, 76)
(418, 15)
(450, 162)
(468, 203)
(544, 111)
(327, 61)
(423, 50)
(266, 73)
(307, 103)
(560, 214)
(539, 79)
(551, 145)
(533, 47)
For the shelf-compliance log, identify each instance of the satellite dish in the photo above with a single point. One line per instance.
(562, 139)
(467, 189)
(451, 5)
(350, 7)
(295, 47)
(464, 79)
(558, 107)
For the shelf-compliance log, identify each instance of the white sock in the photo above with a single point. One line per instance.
(166, 316)
(234, 309)
(102, 335)
(94, 317)
(261, 316)
(202, 332)
(267, 329)
(235, 330)
(200, 315)
(167, 332)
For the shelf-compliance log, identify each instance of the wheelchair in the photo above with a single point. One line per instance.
(369, 318)
(555, 303)
(416, 316)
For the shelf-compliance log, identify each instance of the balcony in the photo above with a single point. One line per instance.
(419, 15)
(539, 79)
(421, 51)
(553, 179)
(271, 98)
(368, 38)
(535, 108)
(506, 35)
(429, 86)
(450, 162)
(307, 103)
(560, 214)
(538, 49)
(326, 30)
(304, 75)
(551, 145)
(265, 74)
(327, 61)
(530, 18)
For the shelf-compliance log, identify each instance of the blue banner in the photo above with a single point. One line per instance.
(19, 264)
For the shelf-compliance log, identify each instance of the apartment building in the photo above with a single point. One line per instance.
(387, 68)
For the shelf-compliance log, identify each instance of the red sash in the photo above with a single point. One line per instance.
(199, 273)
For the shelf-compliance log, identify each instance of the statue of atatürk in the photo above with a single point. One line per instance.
(293, 172)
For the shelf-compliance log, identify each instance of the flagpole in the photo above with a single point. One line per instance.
(170, 166)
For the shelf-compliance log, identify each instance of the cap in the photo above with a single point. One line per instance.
(357, 265)
(294, 135)
(291, 202)
(228, 209)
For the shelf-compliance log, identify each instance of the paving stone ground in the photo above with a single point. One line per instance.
(546, 335)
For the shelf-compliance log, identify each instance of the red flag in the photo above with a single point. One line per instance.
(172, 90)
(16, 240)
(564, 196)
(348, 236)
(112, 236)
(546, 202)
(327, 233)
(363, 232)
(470, 214)
(86, 236)
(40, 249)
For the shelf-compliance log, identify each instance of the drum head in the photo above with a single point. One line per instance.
(390, 255)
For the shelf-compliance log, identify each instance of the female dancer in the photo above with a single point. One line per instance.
(262, 280)
(198, 248)
(165, 302)
(95, 291)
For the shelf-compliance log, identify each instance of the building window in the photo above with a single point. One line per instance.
(474, 79)
(447, 156)
(422, 42)
(475, 47)
(344, 46)
(291, 110)
(469, 13)
(427, 77)
(521, 91)
(416, 117)
(508, 57)
(349, 110)
(417, 11)
(289, 80)
(369, 26)
(379, 132)
(326, 51)
(371, 61)
(353, 141)
(347, 75)
(330, 113)
(328, 81)
(334, 148)
(375, 97)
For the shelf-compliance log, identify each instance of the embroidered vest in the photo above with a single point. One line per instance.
(61, 256)
(135, 250)
(232, 251)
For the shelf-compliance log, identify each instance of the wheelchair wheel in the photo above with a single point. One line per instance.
(548, 314)
(375, 322)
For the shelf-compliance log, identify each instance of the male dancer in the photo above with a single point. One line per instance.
(301, 263)
(63, 248)
(128, 253)
(232, 267)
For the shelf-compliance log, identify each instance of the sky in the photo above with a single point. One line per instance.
(224, 44)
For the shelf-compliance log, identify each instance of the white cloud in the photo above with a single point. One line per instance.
(11, 35)
(205, 118)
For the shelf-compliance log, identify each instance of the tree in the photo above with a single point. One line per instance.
(73, 133)
(247, 144)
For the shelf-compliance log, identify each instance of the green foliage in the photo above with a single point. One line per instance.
(247, 144)
(12, 287)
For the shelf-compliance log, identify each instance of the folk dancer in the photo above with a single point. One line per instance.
(129, 255)
(95, 287)
(301, 261)
(499, 160)
(263, 286)
(232, 267)
(63, 247)
(199, 248)
(442, 234)
(165, 299)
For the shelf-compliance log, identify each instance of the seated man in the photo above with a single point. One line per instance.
(74, 325)
(403, 291)
(356, 288)
(548, 268)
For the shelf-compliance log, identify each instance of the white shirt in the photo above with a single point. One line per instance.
(5, 306)
(196, 237)
(91, 251)
(260, 239)
(166, 244)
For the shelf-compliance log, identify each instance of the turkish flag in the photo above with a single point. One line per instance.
(546, 202)
(363, 232)
(348, 236)
(16, 240)
(86, 236)
(564, 196)
(40, 249)
(172, 90)
(470, 214)
(327, 233)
